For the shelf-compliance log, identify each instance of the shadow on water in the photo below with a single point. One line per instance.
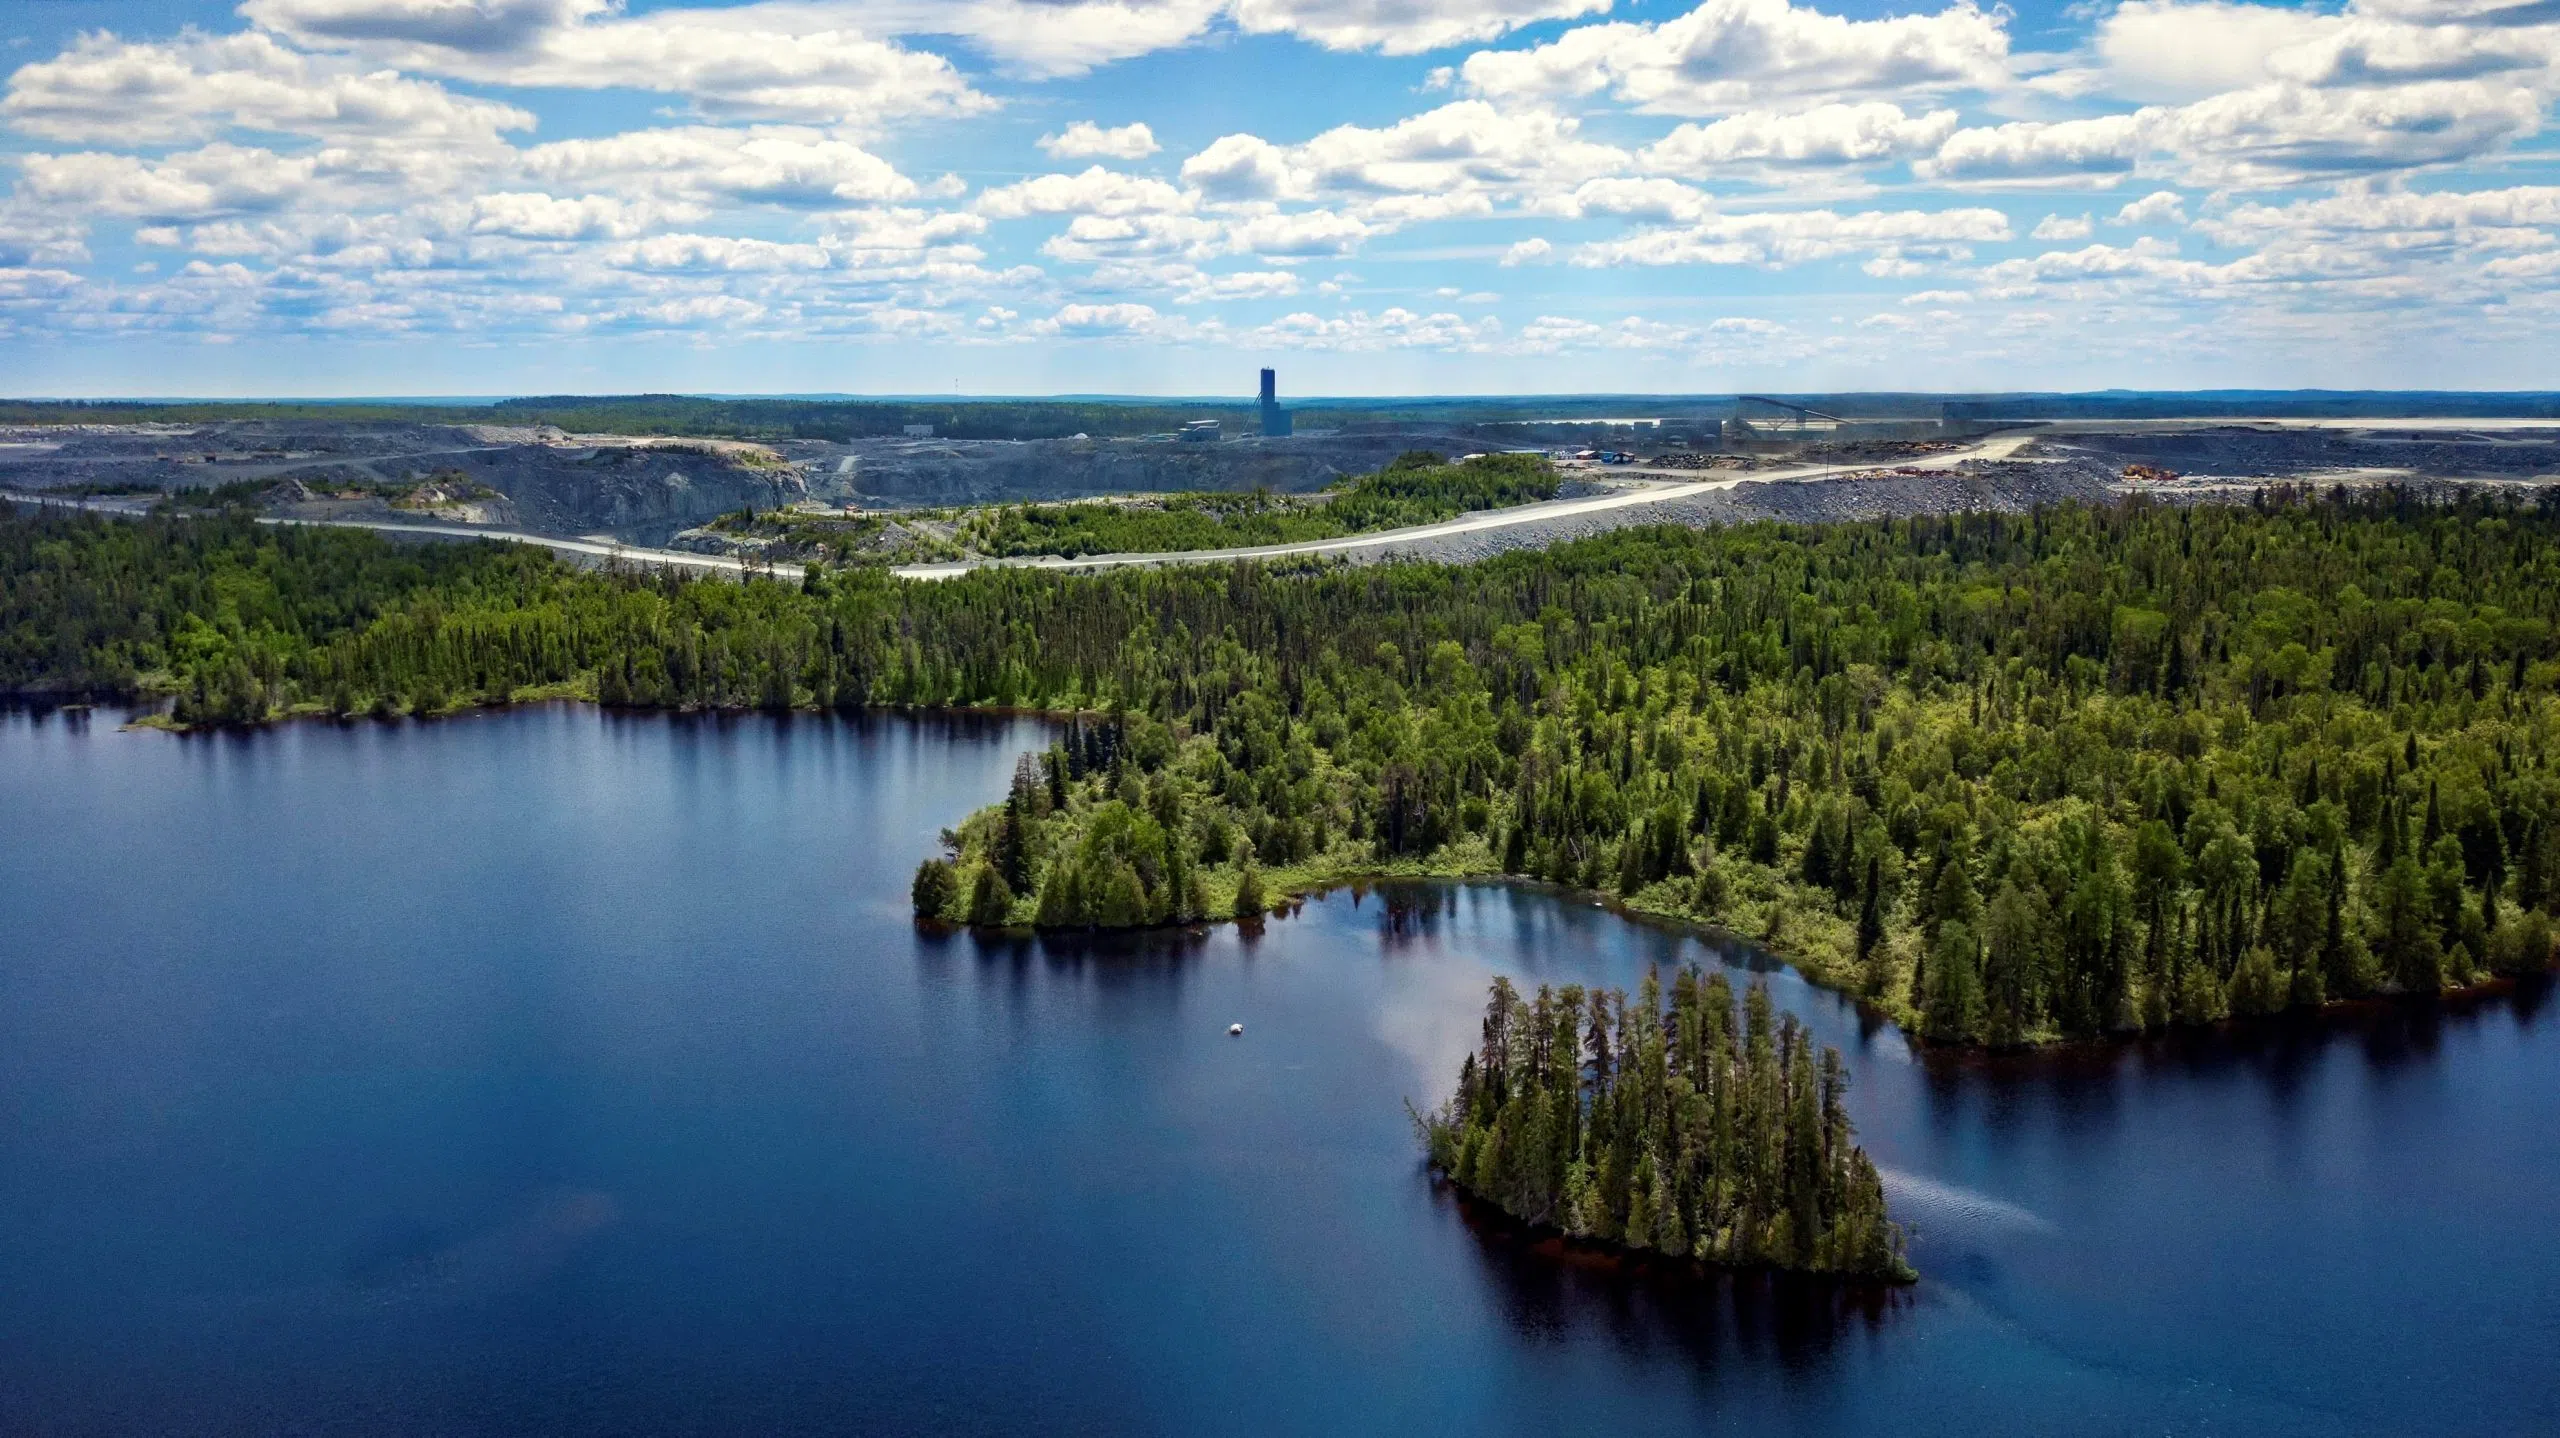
(1154, 962)
(937, 725)
(2284, 1050)
(1552, 1290)
(1137, 951)
(38, 711)
(1409, 914)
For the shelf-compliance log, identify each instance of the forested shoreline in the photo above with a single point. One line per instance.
(1678, 1132)
(2011, 778)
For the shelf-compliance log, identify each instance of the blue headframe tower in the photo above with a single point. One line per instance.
(1275, 420)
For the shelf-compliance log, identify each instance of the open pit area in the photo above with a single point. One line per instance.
(649, 490)
(2019, 468)
(639, 489)
(540, 483)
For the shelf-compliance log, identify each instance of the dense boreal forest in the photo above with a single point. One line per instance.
(1679, 1133)
(2011, 777)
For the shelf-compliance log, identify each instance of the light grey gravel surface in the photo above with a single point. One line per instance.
(2003, 485)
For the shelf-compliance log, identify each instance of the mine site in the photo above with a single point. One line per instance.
(1266, 482)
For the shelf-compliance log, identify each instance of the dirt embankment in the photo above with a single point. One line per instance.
(646, 490)
(641, 491)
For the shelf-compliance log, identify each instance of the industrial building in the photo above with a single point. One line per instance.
(1275, 420)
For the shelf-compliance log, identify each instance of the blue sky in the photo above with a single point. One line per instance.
(340, 197)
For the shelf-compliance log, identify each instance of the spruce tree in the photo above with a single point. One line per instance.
(990, 902)
(933, 888)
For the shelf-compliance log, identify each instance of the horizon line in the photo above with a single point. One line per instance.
(1490, 396)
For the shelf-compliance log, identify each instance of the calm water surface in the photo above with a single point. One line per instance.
(558, 1073)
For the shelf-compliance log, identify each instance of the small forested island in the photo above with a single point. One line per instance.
(1667, 1133)
(2011, 778)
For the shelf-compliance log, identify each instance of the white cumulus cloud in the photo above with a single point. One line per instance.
(1085, 140)
(778, 59)
(1790, 237)
(2160, 207)
(764, 164)
(1466, 146)
(1100, 321)
(1729, 55)
(1097, 191)
(216, 180)
(2038, 152)
(532, 215)
(106, 89)
(1401, 27)
(1834, 134)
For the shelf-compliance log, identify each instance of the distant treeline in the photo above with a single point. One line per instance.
(840, 420)
(189, 412)
(835, 420)
(848, 419)
(2263, 404)
(765, 419)
(2011, 777)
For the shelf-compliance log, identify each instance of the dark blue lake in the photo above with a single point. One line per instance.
(552, 1072)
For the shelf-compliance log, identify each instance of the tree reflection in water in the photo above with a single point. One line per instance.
(1553, 1291)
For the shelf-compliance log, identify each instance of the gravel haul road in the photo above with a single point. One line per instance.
(1649, 491)
(1562, 516)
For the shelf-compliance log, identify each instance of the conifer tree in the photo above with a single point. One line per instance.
(1670, 1138)
(933, 888)
(990, 902)
(1871, 921)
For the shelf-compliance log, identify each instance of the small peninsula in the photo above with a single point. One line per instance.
(1678, 1134)
(2011, 779)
